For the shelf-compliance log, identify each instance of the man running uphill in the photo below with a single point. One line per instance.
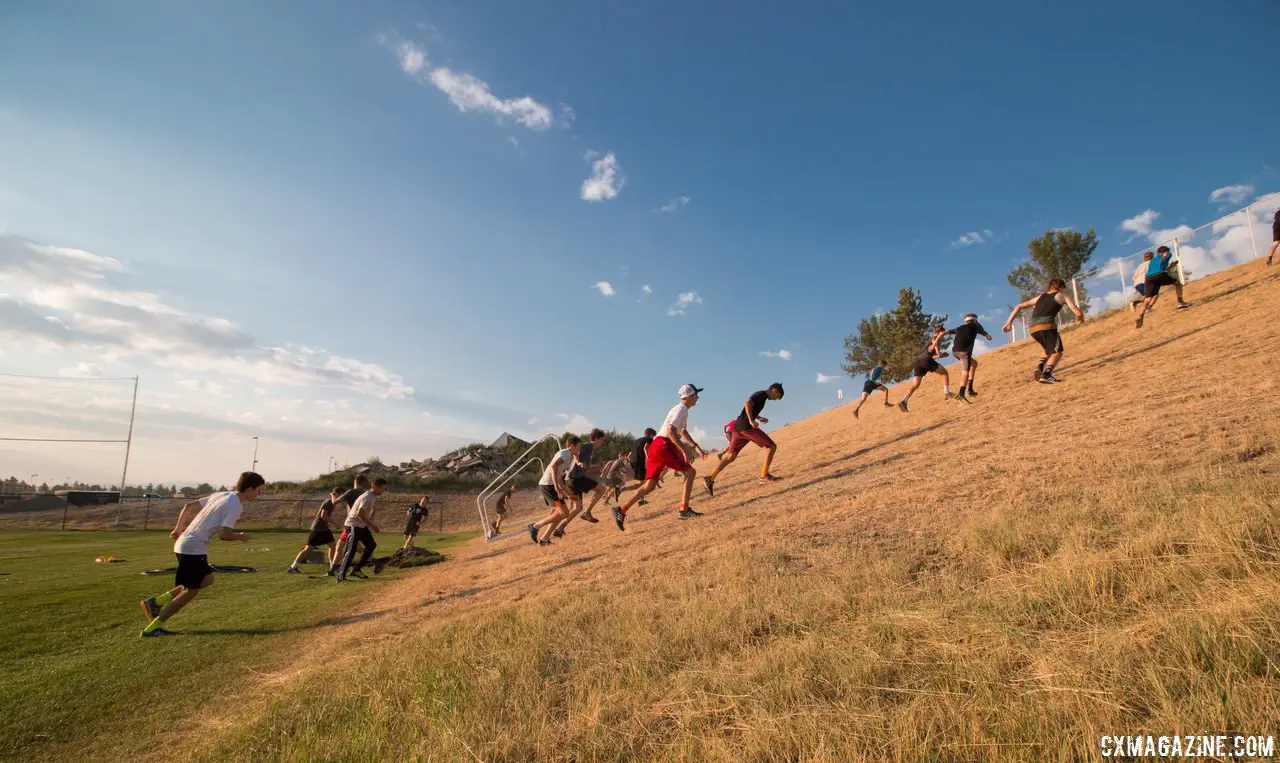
(926, 364)
(360, 521)
(1044, 326)
(664, 453)
(747, 429)
(1158, 276)
(966, 335)
(216, 518)
(872, 384)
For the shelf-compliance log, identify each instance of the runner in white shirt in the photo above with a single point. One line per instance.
(214, 516)
(665, 453)
(555, 490)
(360, 521)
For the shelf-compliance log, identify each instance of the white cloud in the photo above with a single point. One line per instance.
(83, 370)
(66, 298)
(824, 379)
(605, 181)
(512, 140)
(605, 288)
(684, 301)
(470, 93)
(699, 435)
(674, 204)
(971, 238)
(646, 290)
(1140, 224)
(202, 386)
(783, 354)
(576, 422)
(1231, 194)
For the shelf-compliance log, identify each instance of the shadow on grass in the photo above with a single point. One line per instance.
(466, 593)
(1119, 355)
(826, 477)
(864, 451)
(325, 622)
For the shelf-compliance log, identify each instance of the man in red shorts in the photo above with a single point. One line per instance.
(747, 429)
(664, 453)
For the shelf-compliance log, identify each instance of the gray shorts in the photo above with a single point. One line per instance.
(966, 359)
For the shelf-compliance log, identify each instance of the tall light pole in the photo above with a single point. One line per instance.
(254, 468)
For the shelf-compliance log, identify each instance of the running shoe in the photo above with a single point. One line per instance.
(294, 571)
(359, 574)
(546, 542)
(558, 533)
(619, 518)
(154, 632)
(533, 533)
(380, 565)
(768, 478)
(902, 406)
(340, 579)
(151, 607)
(689, 513)
(1183, 305)
(1038, 373)
(963, 398)
(1138, 323)
(1049, 378)
(973, 392)
(855, 413)
(642, 502)
(710, 485)
(586, 515)
(329, 572)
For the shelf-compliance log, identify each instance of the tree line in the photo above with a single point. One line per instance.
(900, 335)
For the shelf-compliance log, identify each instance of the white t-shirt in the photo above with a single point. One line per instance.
(366, 501)
(677, 421)
(217, 511)
(561, 464)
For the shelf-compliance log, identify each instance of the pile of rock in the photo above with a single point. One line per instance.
(481, 462)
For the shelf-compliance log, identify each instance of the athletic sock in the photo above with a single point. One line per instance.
(946, 390)
(164, 598)
(1048, 370)
(154, 624)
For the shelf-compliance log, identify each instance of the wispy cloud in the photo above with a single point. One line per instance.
(466, 91)
(605, 182)
(971, 238)
(684, 301)
(783, 354)
(1231, 194)
(1140, 224)
(605, 288)
(674, 204)
(824, 379)
(646, 290)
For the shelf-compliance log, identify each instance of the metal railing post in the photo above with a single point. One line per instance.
(1253, 237)
(1182, 276)
(147, 516)
(1075, 291)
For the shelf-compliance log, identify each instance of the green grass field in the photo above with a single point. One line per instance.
(77, 679)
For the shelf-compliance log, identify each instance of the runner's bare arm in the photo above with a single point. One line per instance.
(684, 433)
(227, 533)
(184, 518)
(1073, 308)
(1008, 325)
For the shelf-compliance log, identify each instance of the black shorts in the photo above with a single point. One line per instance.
(638, 471)
(921, 368)
(1275, 231)
(320, 537)
(1151, 286)
(869, 387)
(1050, 340)
(549, 494)
(582, 485)
(411, 528)
(192, 569)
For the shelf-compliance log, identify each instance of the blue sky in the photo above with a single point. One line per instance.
(374, 226)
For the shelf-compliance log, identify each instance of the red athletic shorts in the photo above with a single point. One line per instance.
(346, 531)
(740, 440)
(663, 455)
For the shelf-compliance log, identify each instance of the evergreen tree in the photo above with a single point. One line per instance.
(898, 336)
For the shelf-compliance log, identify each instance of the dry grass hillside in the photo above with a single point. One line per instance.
(1004, 581)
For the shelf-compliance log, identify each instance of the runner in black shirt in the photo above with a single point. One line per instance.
(962, 349)
(926, 364)
(745, 429)
(639, 456)
(1044, 326)
(359, 487)
(413, 519)
(321, 534)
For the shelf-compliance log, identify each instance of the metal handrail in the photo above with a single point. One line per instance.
(518, 465)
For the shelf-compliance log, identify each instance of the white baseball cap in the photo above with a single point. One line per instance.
(689, 390)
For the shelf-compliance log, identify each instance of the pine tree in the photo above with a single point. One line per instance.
(898, 336)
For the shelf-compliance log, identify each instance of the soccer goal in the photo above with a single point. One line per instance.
(508, 475)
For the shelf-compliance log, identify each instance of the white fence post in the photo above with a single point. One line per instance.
(1177, 256)
(1075, 291)
(1253, 237)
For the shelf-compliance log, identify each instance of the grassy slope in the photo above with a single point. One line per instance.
(76, 676)
(998, 582)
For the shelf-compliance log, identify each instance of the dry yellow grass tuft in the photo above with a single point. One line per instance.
(1004, 581)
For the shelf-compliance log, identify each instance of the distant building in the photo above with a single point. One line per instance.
(508, 439)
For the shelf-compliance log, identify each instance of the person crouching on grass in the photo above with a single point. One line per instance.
(198, 524)
(414, 517)
(360, 520)
(665, 453)
(321, 534)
